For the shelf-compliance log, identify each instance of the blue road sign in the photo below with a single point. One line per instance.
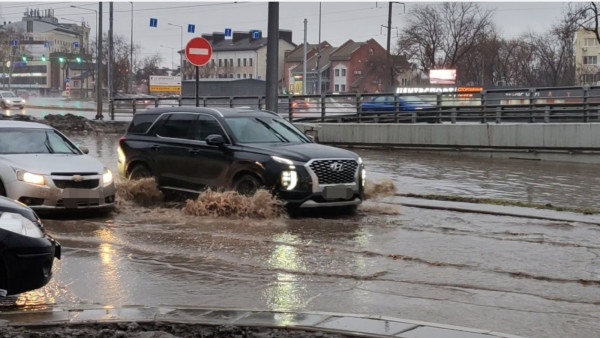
(256, 34)
(227, 32)
(46, 44)
(153, 22)
(75, 44)
(67, 80)
(191, 28)
(14, 42)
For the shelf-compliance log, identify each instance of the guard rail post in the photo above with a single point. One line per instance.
(357, 102)
(498, 115)
(322, 104)
(532, 105)
(231, 99)
(290, 114)
(438, 104)
(586, 107)
(133, 105)
(547, 114)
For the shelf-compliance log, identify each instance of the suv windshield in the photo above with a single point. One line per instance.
(264, 130)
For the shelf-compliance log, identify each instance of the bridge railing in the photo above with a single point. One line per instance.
(526, 105)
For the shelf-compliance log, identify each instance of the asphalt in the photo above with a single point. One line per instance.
(363, 325)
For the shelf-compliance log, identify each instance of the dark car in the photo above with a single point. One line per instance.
(191, 148)
(26, 251)
(387, 104)
(296, 105)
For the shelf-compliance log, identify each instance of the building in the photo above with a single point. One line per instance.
(353, 67)
(243, 56)
(587, 50)
(38, 52)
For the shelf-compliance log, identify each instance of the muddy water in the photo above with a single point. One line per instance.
(528, 277)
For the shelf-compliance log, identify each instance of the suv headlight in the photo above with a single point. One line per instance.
(30, 178)
(18, 224)
(289, 176)
(107, 177)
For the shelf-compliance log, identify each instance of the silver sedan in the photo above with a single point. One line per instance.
(42, 168)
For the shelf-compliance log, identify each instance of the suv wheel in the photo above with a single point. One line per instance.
(138, 172)
(247, 184)
(2, 190)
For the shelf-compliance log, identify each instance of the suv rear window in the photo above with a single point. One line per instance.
(141, 123)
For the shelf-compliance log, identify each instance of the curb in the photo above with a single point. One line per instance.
(341, 323)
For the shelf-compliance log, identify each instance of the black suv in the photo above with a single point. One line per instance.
(188, 149)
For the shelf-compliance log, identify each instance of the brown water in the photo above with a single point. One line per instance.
(529, 277)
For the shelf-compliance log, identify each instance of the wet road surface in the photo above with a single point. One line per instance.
(528, 277)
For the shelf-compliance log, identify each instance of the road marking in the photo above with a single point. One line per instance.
(198, 51)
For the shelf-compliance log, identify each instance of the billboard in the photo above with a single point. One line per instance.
(442, 76)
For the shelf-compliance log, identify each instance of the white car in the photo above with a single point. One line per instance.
(9, 100)
(42, 168)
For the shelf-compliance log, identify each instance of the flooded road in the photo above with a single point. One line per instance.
(528, 277)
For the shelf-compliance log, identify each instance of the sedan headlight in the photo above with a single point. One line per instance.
(107, 177)
(20, 225)
(30, 178)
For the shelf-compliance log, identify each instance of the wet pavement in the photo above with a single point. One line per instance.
(520, 271)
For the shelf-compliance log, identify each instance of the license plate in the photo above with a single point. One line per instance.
(80, 193)
(337, 192)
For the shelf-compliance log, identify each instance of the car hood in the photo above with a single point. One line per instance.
(54, 163)
(303, 152)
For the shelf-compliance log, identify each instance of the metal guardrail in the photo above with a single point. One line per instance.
(528, 105)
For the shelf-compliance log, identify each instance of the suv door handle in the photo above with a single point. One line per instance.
(193, 151)
(155, 147)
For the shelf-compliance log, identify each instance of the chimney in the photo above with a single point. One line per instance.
(285, 35)
(218, 37)
(239, 36)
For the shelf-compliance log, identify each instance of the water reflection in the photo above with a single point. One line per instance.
(110, 277)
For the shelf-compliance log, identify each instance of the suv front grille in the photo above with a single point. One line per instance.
(334, 171)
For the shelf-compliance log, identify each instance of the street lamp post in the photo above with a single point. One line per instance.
(98, 56)
(131, 52)
(180, 53)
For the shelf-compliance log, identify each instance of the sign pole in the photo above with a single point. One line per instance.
(197, 86)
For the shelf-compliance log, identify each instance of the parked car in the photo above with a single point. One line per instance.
(42, 168)
(125, 101)
(9, 100)
(387, 104)
(27, 252)
(192, 148)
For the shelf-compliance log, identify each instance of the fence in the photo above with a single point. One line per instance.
(523, 105)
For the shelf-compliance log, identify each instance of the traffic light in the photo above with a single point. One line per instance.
(78, 59)
(24, 57)
(61, 59)
(43, 57)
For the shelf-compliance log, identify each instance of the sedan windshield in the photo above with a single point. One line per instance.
(35, 141)
(264, 130)
(8, 94)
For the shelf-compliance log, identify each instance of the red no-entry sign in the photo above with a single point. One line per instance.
(198, 51)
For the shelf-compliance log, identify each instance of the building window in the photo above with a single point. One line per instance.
(590, 59)
(239, 75)
(244, 76)
(343, 88)
(225, 62)
(220, 62)
(590, 42)
(337, 88)
(239, 62)
(231, 76)
(250, 62)
(244, 62)
(343, 71)
(212, 62)
(404, 82)
(337, 72)
(230, 62)
(250, 75)
(588, 78)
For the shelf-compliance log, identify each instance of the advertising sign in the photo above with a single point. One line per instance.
(161, 83)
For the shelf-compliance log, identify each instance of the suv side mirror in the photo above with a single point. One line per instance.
(215, 140)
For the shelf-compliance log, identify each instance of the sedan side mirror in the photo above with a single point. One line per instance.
(84, 149)
(215, 140)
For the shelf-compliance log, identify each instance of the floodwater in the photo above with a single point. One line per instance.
(528, 277)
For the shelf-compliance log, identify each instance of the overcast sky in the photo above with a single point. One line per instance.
(340, 21)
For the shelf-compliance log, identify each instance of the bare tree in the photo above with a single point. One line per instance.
(585, 15)
(440, 35)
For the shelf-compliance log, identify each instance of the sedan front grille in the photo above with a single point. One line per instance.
(85, 184)
(334, 171)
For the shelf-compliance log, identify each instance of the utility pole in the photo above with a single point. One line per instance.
(111, 63)
(389, 64)
(272, 85)
(304, 60)
(99, 115)
(319, 54)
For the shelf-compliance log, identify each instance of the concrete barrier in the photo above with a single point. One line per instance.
(574, 142)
